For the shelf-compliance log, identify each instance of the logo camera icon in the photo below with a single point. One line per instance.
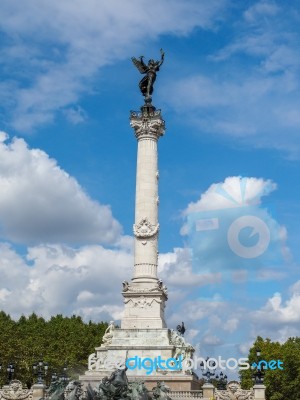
(258, 227)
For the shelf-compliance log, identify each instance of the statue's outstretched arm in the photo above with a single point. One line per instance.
(162, 57)
(142, 61)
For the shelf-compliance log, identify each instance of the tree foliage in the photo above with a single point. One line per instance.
(60, 340)
(281, 384)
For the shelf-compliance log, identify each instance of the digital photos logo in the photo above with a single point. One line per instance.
(150, 365)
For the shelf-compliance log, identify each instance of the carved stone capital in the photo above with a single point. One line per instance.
(149, 125)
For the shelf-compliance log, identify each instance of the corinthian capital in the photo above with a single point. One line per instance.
(147, 125)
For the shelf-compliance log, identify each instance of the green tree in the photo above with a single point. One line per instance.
(280, 384)
(58, 341)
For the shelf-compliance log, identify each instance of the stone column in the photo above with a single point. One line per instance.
(208, 390)
(259, 392)
(146, 295)
(148, 126)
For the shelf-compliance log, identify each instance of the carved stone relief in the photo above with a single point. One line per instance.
(234, 392)
(144, 229)
(15, 391)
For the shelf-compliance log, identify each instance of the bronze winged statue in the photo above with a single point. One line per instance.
(146, 83)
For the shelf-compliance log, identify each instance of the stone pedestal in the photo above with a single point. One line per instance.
(208, 390)
(140, 344)
(259, 392)
(38, 391)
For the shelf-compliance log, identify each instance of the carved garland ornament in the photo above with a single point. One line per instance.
(15, 391)
(234, 392)
(144, 229)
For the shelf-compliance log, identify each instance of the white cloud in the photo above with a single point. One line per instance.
(211, 340)
(56, 279)
(276, 312)
(234, 192)
(40, 202)
(60, 46)
(231, 325)
(279, 318)
(176, 269)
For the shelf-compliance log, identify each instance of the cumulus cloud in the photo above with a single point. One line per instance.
(176, 269)
(277, 312)
(60, 46)
(279, 317)
(55, 279)
(235, 191)
(40, 202)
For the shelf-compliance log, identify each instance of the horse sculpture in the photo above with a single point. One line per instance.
(113, 388)
(138, 391)
(56, 390)
(160, 391)
(73, 391)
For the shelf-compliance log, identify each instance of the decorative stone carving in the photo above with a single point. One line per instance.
(159, 287)
(149, 125)
(108, 335)
(183, 349)
(144, 229)
(15, 391)
(234, 392)
(96, 363)
(142, 301)
(126, 286)
(176, 339)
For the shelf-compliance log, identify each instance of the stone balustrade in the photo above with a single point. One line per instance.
(186, 394)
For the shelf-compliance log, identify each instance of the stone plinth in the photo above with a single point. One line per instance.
(144, 308)
(259, 392)
(208, 390)
(142, 343)
(38, 391)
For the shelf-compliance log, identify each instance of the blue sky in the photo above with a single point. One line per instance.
(229, 92)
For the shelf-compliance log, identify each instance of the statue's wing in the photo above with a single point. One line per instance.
(140, 65)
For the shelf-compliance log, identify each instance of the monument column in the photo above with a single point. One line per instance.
(145, 296)
(148, 126)
(143, 331)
